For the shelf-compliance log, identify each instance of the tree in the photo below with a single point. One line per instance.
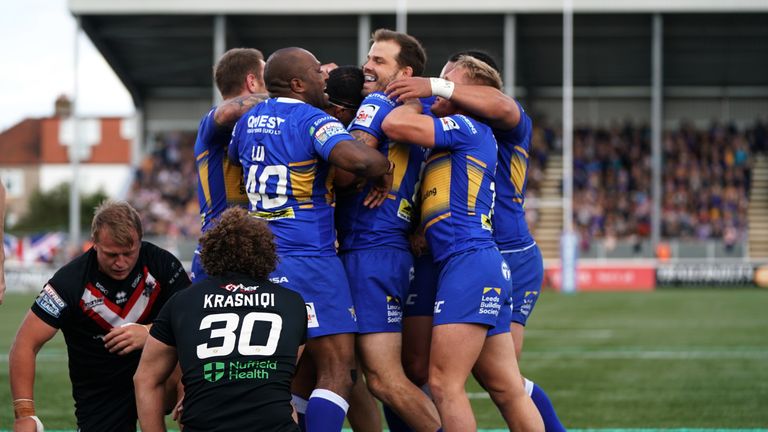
(49, 211)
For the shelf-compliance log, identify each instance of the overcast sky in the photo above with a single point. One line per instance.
(37, 40)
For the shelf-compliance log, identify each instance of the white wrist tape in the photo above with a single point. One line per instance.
(441, 87)
(38, 424)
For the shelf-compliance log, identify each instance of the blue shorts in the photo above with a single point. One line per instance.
(527, 276)
(323, 284)
(475, 287)
(197, 273)
(421, 292)
(378, 280)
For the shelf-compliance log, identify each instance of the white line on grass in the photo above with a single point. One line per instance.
(739, 353)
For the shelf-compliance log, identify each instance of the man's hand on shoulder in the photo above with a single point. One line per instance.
(408, 88)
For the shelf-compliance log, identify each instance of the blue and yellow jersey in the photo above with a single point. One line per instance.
(219, 181)
(457, 190)
(509, 226)
(283, 145)
(360, 227)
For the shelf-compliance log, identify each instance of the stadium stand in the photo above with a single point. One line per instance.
(163, 190)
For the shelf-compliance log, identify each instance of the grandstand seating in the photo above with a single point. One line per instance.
(707, 179)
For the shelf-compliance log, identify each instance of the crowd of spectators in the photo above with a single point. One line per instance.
(705, 182)
(164, 189)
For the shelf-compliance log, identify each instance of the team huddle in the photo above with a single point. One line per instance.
(364, 236)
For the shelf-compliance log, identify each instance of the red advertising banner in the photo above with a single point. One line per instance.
(593, 277)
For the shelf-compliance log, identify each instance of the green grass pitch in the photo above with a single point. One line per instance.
(671, 359)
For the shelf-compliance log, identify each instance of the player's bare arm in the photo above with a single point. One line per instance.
(229, 111)
(362, 160)
(406, 123)
(32, 335)
(158, 361)
(345, 179)
(493, 106)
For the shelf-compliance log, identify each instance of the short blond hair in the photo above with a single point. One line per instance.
(479, 72)
(120, 219)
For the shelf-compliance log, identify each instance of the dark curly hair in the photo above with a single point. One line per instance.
(238, 243)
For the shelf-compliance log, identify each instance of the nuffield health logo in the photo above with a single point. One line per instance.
(213, 372)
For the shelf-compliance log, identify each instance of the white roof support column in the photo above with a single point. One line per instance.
(510, 54)
(363, 36)
(219, 47)
(657, 125)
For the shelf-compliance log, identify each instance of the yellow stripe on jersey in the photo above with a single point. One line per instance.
(202, 155)
(398, 153)
(475, 180)
(302, 163)
(437, 219)
(202, 172)
(437, 156)
(233, 184)
(521, 150)
(517, 170)
(436, 188)
(286, 213)
(477, 161)
(302, 180)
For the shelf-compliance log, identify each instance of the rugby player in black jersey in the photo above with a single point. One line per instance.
(103, 301)
(236, 336)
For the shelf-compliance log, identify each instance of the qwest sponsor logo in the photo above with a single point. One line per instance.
(265, 121)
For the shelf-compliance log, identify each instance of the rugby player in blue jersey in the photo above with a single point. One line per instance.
(512, 128)
(286, 145)
(373, 242)
(239, 76)
(344, 88)
(473, 299)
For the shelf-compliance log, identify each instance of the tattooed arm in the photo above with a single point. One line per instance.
(229, 111)
(345, 179)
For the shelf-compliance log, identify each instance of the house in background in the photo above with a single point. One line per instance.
(35, 153)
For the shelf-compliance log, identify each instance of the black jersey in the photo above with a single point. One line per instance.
(237, 340)
(86, 304)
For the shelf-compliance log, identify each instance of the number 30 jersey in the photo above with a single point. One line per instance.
(283, 145)
(237, 341)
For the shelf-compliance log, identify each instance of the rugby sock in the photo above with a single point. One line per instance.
(395, 423)
(325, 411)
(544, 405)
(300, 405)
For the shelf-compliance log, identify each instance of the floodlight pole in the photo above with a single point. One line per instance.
(74, 152)
(568, 241)
(656, 127)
